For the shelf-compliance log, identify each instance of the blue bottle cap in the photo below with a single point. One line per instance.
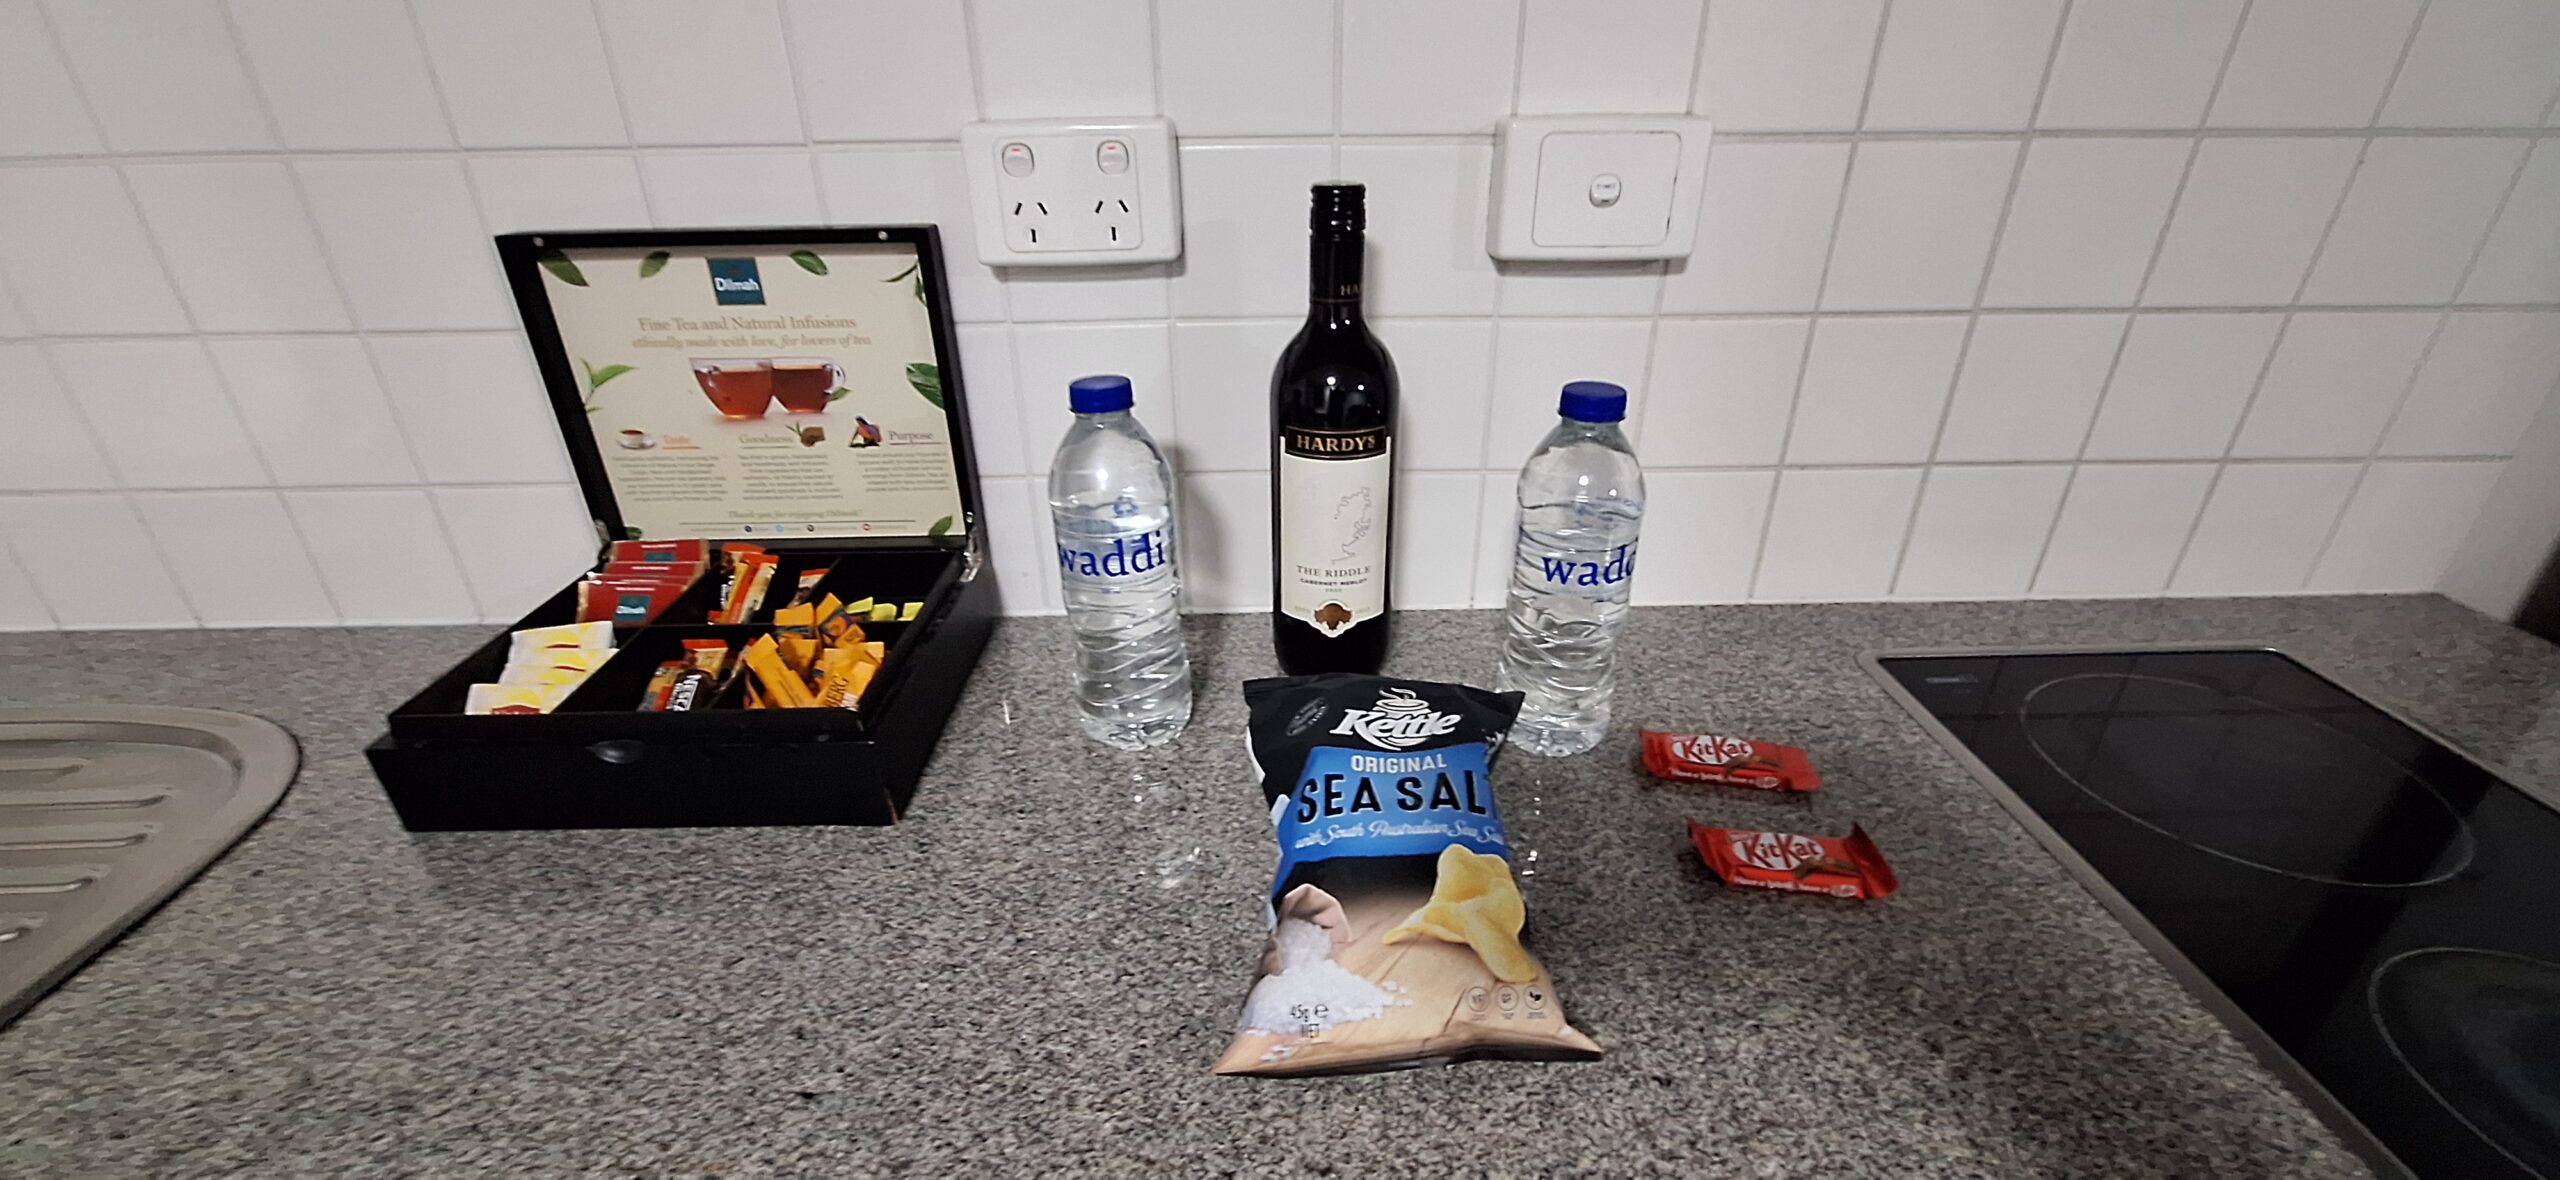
(1593, 401)
(1100, 394)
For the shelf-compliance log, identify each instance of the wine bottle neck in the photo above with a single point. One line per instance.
(1333, 278)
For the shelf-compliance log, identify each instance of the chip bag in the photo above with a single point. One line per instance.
(1395, 922)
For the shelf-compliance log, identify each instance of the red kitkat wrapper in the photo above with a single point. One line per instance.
(1735, 762)
(1849, 866)
(690, 552)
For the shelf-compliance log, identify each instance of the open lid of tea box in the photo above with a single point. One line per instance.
(789, 387)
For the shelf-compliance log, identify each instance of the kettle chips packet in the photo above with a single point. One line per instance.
(1395, 922)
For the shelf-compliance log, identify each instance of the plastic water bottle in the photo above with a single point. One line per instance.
(1111, 495)
(1581, 500)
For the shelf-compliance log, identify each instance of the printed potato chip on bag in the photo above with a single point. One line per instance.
(1395, 919)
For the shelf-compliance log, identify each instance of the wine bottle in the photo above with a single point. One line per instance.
(1333, 422)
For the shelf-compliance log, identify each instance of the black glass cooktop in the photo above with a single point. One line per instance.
(2380, 908)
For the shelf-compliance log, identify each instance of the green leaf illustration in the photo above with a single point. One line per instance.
(919, 288)
(927, 380)
(631, 531)
(938, 528)
(597, 377)
(912, 268)
(839, 393)
(560, 267)
(653, 264)
(809, 261)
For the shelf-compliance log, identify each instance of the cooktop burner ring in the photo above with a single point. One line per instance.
(2446, 958)
(2470, 844)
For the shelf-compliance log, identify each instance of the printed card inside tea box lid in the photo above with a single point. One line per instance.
(795, 389)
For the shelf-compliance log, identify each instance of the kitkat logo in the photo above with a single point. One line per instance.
(734, 280)
(1774, 850)
(1709, 748)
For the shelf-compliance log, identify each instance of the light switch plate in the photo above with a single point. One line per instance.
(1597, 187)
(1074, 192)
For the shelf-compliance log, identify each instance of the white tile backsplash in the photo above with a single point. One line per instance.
(1247, 67)
(2248, 221)
(1786, 65)
(383, 555)
(473, 407)
(316, 410)
(162, 75)
(2137, 63)
(77, 251)
(1980, 531)
(2312, 63)
(520, 194)
(1715, 542)
(1040, 59)
(1961, 65)
(2121, 530)
(2521, 262)
(97, 567)
(244, 275)
(1633, 56)
(40, 110)
(1720, 392)
(2181, 385)
(2084, 222)
(1763, 231)
(46, 446)
(2029, 387)
(1874, 389)
(1222, 390)
(342, 74)
(160, 411)
(1427, 229)
(240, 247)
(2487, 376)
(1236, 260)
(2263, 527)
(1916, 229)
(1834, 534)
(2403, 525)
(2478, 63)
(2413, 216)
(698, 74)
(408, 243)
(237, 558)
(2336, 377)
(1427, 67)
(523, 73)
(922, 88)
(519, 545)
(690, 189)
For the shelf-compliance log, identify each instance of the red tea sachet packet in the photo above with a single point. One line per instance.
(1848, 866)
(1736, 762)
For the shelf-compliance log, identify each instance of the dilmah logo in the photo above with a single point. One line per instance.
(734, 280)
(1401, 721)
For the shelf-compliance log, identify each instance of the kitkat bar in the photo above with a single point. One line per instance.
(1847, 866)
(1738, 762)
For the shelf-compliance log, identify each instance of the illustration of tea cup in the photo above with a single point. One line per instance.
(803, 384)
(739, 387)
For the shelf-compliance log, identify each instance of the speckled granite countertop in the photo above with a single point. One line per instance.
(1033, 974)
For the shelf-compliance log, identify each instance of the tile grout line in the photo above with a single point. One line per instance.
(1973, 316)
(800, 108)
(622, 110)
(2293, 307)
(1813, 323)
(2426, 352)
(2141, 289)
(1476, 556)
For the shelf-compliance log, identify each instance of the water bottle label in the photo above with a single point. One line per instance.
(1112, 556)
(1588, 576)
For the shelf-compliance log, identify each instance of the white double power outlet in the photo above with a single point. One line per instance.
(1074, 192)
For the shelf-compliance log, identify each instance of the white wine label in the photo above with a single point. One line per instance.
(1333, 538)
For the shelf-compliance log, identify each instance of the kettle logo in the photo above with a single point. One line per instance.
(1401, 721)
(734, 280)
